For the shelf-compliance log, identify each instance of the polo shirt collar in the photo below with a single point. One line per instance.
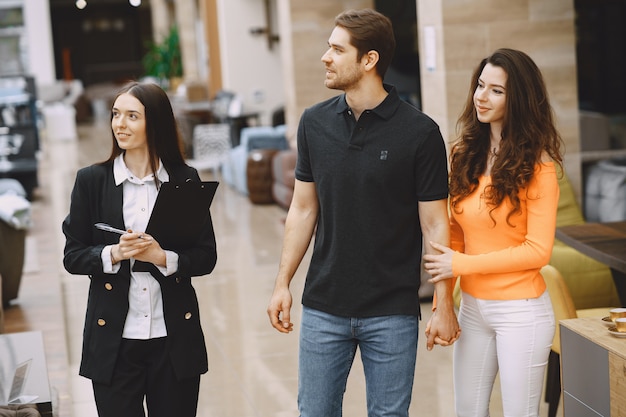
(384, 110)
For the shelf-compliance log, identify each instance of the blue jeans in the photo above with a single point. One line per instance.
(328, 343)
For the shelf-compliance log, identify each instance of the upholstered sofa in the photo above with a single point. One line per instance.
(256, 137)
(12, 244)
(284, 177)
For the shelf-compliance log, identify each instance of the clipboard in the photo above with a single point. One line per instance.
(180, 212)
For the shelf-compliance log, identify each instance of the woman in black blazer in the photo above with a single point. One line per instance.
(142, 338)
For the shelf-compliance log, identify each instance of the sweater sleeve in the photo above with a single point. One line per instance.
(542, 196)
(457, 242)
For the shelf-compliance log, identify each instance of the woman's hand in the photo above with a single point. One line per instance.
(141, 247)
(152, 252)
(439, 266)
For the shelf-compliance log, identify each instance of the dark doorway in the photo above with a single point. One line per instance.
(601, 55)
(404, 71)
(104, 42)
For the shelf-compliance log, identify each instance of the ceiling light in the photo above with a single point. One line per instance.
(81, 4)
(135, 3)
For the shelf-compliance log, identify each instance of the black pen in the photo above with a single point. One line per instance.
(108, 228)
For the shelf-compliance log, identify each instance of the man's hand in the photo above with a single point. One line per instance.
(442, 328)
(279, 310)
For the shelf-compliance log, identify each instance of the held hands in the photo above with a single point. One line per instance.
(439, 266)
(279, 310)
(435, 334)
(442, 328)
(140, 246)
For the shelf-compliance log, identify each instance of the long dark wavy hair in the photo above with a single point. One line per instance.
(528, 130)
(162, 134)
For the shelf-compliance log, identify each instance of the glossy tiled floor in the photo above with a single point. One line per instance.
(253, 369)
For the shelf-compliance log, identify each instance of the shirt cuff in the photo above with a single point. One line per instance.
(171, 263)
(107, 265)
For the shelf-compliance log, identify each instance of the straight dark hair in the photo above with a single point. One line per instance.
(163, 136)
(370, 31)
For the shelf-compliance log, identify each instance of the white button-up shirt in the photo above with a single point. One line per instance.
(145, 311)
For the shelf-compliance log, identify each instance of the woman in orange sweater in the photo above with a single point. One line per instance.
(503, 203)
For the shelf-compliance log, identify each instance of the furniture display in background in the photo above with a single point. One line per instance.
(227, 108)
(605, 191)
(70, 94)
(191, 108)
(259, 175)
(604, 242)
(588, 284)
(23, 372)
(211, 145)
(19, 134)
(589, 281)
(603, 157)
(14, 222)
(564, 309)
(284, 177)
(255, 137)
(594, 369)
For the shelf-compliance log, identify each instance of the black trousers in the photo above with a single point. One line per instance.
(143, 370)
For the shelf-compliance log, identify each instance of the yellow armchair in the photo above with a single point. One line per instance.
(589, 282)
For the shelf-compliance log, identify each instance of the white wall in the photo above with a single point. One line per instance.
(39, 34)
(249, 67)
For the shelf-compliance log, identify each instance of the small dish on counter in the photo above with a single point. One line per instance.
(614, 332)
(607, 320)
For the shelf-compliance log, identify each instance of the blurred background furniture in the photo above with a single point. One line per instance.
(211, 145)
(284, 176)
(25, 350)
(590, 282)
(70, 94)
(192, 109)
(605, 191)
(259, 175)
(593, 363)
(227, 107)
(19, 133)
(563, 306)
(12, 239)
(604, 242)
(256, 137)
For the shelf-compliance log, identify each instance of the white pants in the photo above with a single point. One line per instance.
(512, 336)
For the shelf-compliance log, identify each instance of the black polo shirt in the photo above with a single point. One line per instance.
(369, 176)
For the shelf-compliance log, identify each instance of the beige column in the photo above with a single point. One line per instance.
(160, 19)
(186, 20)
(211, 29)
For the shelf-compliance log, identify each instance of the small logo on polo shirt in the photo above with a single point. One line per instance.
(383, 155)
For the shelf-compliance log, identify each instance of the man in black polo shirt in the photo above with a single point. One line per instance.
(371, 181)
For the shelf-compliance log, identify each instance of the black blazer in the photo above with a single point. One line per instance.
(96, 198)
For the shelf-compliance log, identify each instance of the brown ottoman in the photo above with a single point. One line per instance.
(259, 175)
(284, 174)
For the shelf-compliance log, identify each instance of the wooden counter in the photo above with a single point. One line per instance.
(593, 364)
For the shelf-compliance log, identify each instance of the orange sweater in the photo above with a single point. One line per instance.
(502, 262)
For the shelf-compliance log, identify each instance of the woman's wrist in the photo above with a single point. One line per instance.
(113, 260)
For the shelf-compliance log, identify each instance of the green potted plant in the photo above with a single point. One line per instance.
(163, 60)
